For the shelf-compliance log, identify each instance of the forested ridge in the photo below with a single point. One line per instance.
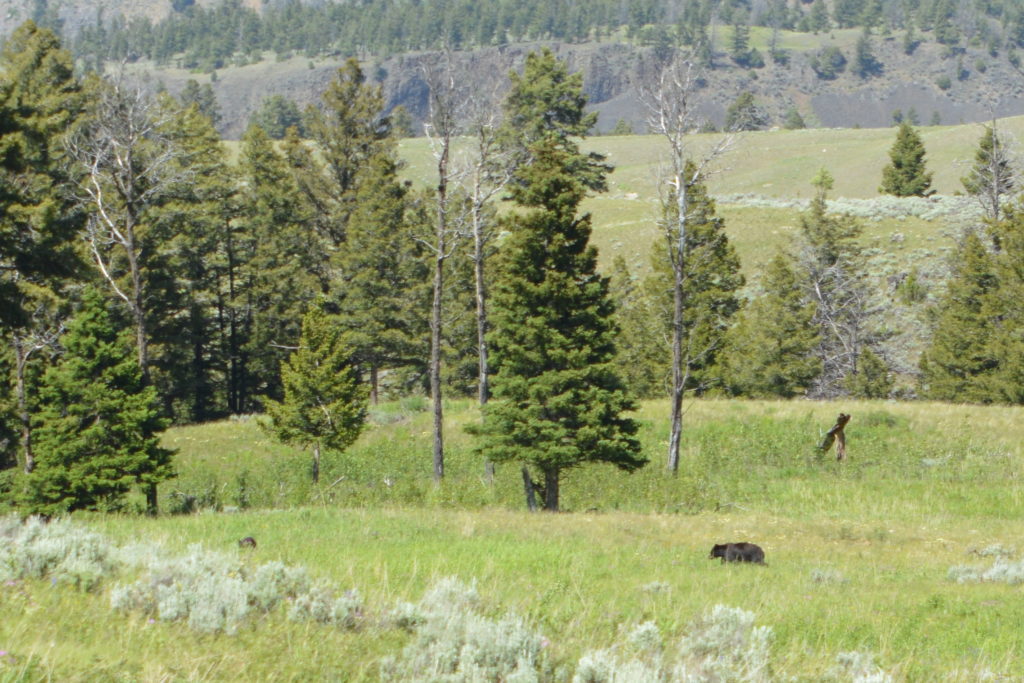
(146, 280)
(209, 37)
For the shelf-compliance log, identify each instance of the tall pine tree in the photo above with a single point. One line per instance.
(958, 359)
(558, 402)
(40, 101)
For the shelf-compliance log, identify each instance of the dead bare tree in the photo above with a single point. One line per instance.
(828, 256)
(995, 173)
(130, 165)
(486, 171)
(446, 95)
(43, 332)
(671, 97)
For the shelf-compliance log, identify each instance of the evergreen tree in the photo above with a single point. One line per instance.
(276, 115)
(184, 265)
(203, 97)
(547, 100)
(324, 404)
(557, 401)
(40, 101)
(349, 131)
(871, 378)
(1005, 347)
(771, 352)
(828, 63)
(865, 64)
(382, 275)
(711, 279)
(745, 114)
(992, 177)
(958, 358)
(641, 359)
(906, 176)
(847, 12)
(98, 425)
(275, 269)
(793, 120)
(817, 18)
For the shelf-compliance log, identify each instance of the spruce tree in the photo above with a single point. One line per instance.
(871, 378)
(641, 358)
(906, 176)
(324, 403)
(40, 101)
(711, 279)
(1005, 347)
(382, 278)
(276, 115)
(349, 131)
(958, 359)
(865, 63)
(184, 266)
(98, 426)
(771, 350)
(278, 270)
(558, 402)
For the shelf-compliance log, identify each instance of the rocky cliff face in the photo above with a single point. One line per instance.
(935, 82)
(968, 88)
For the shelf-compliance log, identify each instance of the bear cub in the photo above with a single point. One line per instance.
(737, 552)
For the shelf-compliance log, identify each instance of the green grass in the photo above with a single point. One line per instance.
(773, 164)
(924, 485)
(778, 163)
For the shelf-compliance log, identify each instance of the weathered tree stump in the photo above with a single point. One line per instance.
(837, 436)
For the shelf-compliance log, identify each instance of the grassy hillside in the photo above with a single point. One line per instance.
(860, 554)
(776, 167)
(778, 163)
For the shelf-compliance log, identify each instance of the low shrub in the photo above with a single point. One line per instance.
(721, 645)
(453, 642)
(57, 550)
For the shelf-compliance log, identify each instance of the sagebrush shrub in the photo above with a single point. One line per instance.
(57, 550)
(859, 667)
(1001, 571)
(453, 642)
(722, 645)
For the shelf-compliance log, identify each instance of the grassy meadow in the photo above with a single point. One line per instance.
(859, 553)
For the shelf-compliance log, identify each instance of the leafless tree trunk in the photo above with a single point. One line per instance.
(25, 344)
(671, 100)
(487, 174)
(316, 462)
(128, 167)
(441, 128)
(996, 181)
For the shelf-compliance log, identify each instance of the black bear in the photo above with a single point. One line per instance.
(737, 552)
(247, 542)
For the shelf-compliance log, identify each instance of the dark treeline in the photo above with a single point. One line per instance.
(197, 37)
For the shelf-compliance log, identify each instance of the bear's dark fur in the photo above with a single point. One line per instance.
(738, 552)
(247, 542)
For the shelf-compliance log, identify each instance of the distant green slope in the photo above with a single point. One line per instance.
(772, 164)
